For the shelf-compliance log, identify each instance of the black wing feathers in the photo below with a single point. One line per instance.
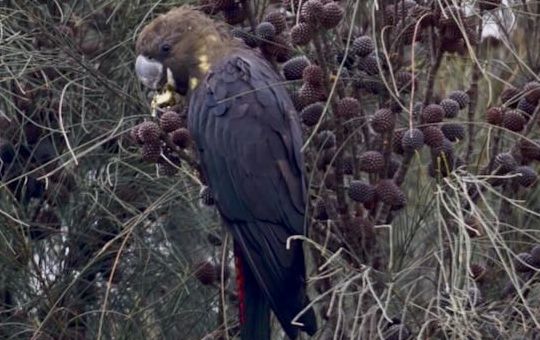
(243, 122)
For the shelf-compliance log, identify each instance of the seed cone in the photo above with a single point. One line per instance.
(450, 107)
(148, 132)
(331, 15)
(412, 140)
(170, 121)
(460, 97)
(433, 136)
(278, 20)
(301, 34)
(348, 108)
(527, 176)
(181, 137)
(311, 114)
(383, 121)
(453, 132)
(206, 272)
(514, 121)
(494, 115)
(389, 193)
(360, 191)
(363, 46)
(207, 198)
(433, 113)
(293, 69)
(371, 161)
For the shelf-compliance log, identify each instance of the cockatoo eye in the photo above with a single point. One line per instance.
(165, 48)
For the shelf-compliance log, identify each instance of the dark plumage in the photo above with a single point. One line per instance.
(246, 130)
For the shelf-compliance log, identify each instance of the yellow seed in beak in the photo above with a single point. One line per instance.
(166, 98)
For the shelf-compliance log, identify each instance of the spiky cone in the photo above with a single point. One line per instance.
(529, 149)
(311, 12)
(347, 108)
(206, 196)
(531, 90)
(151, 151)
(383, 120)
(326, 139)
(371, 85)
(331, 15)
(369, 65)
(277, 19)
(389, 193)
(134, 135)
(371, 162)
(170, 121)
(445, 152)
(349, 59)
(363, 46)
(514, 121)
(453, 131)
(450, 107)
(234, 15)
(494, 115)
(313, 74)
(148, 132)
(360, 191)
(477, 272)
(526, 108)
(301, 34)
(412, 140)
(250, 39)
(181, 137)
(505, 162)
(535, 253)
(293, 69)
(396, 142)
(433, 136)
(527, 176)
(167, 169)
(524, 262)
(206, 272)
(297, 100)
(432, 113)
(310, 94)
(266, 32)
(510, 96)
(311, 114)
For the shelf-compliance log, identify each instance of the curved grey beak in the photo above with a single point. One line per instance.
(149, 72)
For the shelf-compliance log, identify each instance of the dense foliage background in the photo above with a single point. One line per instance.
(431, 236)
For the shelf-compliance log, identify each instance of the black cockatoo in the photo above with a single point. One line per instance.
(248, 138)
